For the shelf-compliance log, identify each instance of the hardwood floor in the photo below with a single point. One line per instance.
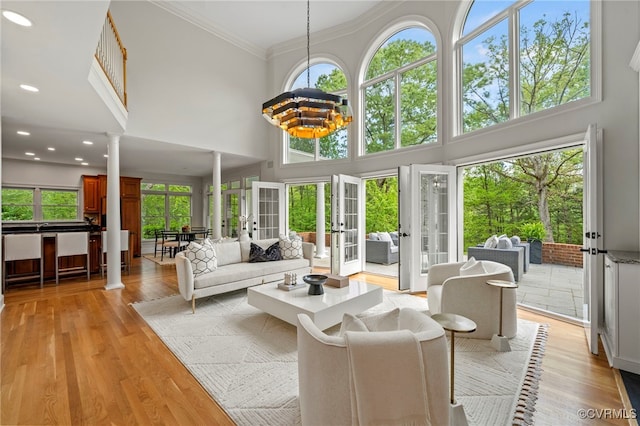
(78, 354)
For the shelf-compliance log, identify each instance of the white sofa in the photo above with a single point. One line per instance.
(325, 394)
(234, 270)
(472, 297)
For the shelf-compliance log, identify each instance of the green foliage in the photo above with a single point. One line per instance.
(499, 198)
(533, 231)
(418, 97)
(382, 204)
(554, 68)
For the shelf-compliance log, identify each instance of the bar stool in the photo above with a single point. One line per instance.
(22, 247)
(124, 248)
(72, 244)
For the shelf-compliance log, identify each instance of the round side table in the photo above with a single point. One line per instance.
(499, 341)
(454, 323)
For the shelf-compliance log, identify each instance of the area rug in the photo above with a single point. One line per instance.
(247, 360)
(165, 261)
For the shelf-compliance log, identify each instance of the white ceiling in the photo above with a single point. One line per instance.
(67, 110)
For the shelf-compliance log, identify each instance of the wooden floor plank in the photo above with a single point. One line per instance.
(79, 354)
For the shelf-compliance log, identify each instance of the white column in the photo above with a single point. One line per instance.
(217, 196)
(114, 277)
(321, 252)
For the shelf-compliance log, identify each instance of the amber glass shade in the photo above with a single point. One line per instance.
(307, 113)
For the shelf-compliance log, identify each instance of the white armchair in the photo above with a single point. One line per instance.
(324, 372)
(472, 297)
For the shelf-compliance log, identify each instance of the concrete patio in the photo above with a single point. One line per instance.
(554, 288)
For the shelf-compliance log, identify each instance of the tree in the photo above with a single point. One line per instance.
(553, 66)
(553, 69)
(547, 175)
(418, 97)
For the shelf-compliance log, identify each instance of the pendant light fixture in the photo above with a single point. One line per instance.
(307, 113)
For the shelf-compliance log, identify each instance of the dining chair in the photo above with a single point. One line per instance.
(173, 241)
(22, 247)
(72, 244)
(124, 248)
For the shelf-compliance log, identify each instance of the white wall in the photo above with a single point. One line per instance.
(617, 113)
(187, 86)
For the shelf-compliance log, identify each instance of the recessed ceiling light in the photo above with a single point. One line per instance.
(51, 148)
(29, 153)
(84, 164)
(87, 142)
(23, 133)
(79, 159)
(37, 158)
(16, 18)
(29, 88)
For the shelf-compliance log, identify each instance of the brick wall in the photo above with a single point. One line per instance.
(562, 254)
(554, 253)
(310, 237)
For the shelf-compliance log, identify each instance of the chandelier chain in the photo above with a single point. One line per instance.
(308, 50)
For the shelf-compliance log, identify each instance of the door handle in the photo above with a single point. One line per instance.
(585, 250)
(404, 234)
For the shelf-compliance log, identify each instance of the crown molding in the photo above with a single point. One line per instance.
(183, 11)
(335, 32)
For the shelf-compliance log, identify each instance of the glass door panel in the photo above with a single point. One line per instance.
(232, 208)
(347, 236)
(427, 202)
(268, 210)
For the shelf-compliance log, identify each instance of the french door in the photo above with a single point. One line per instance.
(347, 225)
(592, 261)
(269, 210)
(427, 221)
(232, 208)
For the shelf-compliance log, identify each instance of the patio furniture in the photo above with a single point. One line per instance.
(381, 248)
(512, 257)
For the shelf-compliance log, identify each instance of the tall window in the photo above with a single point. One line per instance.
(164, 207)
(330, 79)
(545, 64)
(38, 204)
(400, 92)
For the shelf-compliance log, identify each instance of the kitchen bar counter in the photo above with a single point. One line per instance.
(49, 234)
(52, 228)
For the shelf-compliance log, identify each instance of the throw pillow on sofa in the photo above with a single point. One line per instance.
(492, 242)
(258, 254)
(504, 243)
(202, 257)
(374, 236)
(385, 236)
(290, 248)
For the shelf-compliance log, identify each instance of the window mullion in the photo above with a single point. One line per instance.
(514, 63)
(397, 118)
(37, 204)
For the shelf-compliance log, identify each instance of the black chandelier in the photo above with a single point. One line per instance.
(307, 113)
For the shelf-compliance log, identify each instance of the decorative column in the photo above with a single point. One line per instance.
(114, 277)
(217, 197)
(321, 252)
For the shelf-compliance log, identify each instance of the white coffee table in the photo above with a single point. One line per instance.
(325, 310)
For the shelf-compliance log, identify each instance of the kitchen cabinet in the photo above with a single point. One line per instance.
(91, 194)
(130, 207)
(620, 332)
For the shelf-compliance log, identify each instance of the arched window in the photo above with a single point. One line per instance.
(331, 79)
(400, 92)
(520, 57)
